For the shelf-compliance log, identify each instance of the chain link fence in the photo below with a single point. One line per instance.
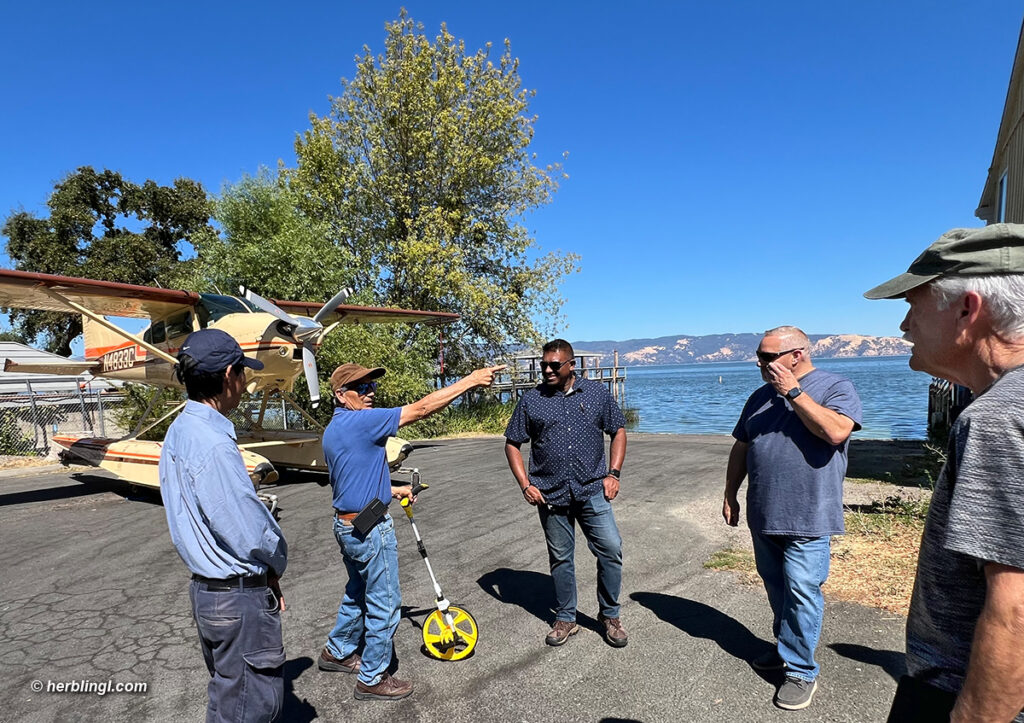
(29, 419)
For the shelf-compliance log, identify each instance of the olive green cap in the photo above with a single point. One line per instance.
(989, 250)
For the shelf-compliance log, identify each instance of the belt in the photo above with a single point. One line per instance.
(345, 517)
(232, 583)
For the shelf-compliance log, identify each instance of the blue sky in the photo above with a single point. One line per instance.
(733, 165)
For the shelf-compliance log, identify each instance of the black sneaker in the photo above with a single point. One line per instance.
(768, 661)
(795, 694)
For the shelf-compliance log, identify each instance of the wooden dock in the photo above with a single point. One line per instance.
(523, 373)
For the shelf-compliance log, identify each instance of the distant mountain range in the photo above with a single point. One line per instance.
(734, 347)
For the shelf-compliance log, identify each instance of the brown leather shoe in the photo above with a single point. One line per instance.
(389, 688)
(614, 633)
(561, 632)
(349, 664)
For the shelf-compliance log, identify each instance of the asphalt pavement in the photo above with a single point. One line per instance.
(93, 593)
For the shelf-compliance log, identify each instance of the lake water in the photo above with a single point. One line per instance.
(708, 398)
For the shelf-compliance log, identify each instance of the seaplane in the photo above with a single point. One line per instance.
(284, 335)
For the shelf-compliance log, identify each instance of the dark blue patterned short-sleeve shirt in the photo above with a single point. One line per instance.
(566, 435)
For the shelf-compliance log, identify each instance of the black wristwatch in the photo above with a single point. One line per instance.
(614, 473)
(794, 393)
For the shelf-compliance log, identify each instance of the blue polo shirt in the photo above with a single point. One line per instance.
(355, 451)
(566, 435)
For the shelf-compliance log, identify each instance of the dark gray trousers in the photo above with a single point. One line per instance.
(240, 635)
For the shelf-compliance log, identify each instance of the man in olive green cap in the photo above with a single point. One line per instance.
(965, 661)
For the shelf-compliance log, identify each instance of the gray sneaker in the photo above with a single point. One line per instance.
(768, 661)
(795, 694)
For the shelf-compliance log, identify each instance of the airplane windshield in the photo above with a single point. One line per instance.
(212, 307)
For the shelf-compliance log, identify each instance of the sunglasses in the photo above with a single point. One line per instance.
(364, 388)
(555, 366)
(768, 357)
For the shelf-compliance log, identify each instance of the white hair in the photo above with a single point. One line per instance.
(1003, 295)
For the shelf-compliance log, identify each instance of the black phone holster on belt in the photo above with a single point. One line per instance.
(369, 516)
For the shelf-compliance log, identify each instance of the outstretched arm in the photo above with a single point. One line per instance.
(436, 401)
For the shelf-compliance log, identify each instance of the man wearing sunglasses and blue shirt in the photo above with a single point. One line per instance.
(565, 419)
(791, 442)
(354, 449)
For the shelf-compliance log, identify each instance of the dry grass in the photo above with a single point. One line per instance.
(15, 462)
(737, 560)
(873, 564)
(876, 561)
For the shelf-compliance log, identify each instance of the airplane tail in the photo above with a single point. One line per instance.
(99, 339)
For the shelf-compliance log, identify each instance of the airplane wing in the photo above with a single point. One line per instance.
(349, 314)
(68, 368)
(26, 290)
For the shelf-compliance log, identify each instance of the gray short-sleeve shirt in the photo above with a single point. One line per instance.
(976, 516)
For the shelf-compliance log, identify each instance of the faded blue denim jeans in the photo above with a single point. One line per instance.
(793, 570)
(597, 522)
(371, 608)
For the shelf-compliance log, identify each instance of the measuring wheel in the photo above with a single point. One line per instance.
(449, 642)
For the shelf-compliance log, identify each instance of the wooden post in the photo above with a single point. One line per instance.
(615, 377)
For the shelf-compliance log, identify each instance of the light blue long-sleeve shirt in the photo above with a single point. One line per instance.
(218, 525)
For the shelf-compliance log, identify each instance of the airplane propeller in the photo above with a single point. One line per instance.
(306, 332)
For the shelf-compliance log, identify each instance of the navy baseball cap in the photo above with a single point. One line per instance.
(214, 350)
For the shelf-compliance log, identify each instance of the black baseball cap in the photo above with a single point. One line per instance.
(994, 249)
(214, 350)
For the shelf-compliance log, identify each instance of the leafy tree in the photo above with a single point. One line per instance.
(421, 175)
(269, 245)
(105, 227)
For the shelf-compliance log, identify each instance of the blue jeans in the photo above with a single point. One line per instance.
(597, 521)
(371, 607)
(240, 635)
(793, 570)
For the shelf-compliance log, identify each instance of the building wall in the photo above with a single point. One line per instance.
(1011, 160)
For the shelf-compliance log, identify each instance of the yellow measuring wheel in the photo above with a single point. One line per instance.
(449, 633)
(450, 636)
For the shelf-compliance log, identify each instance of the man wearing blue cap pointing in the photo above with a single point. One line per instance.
(226, 536)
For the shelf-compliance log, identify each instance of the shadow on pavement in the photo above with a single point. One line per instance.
(896, 461)
(132, 492)
(293, 709)
(532, 591)
(890, 661)
(703, 621)
(92, 486)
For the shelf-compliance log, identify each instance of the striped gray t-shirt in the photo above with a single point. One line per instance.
(976, 516)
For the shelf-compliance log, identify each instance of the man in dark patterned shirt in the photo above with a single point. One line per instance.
(965, 661)
(565, 419)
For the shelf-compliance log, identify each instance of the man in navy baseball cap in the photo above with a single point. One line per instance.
(225, 535)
